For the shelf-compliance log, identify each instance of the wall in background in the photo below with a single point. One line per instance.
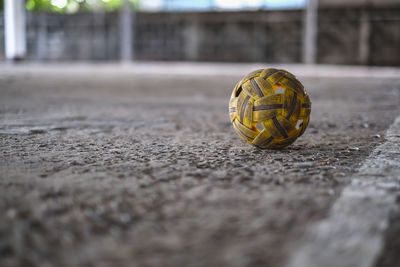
(353, 35)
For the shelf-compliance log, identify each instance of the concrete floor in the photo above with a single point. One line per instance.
(123, 166)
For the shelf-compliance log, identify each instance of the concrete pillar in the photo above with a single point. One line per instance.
(126, 32)
(41, 45)
(310, 29)
(364, 38)
(192, 40)
(15, 32)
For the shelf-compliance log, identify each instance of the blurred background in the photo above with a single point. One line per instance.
(356, 32)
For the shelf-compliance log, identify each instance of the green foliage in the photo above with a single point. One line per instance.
(72, 6)
(42, 5)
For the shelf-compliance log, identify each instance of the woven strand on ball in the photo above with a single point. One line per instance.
(265, 115)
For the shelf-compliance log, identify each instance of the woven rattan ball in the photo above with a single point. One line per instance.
(269, 108)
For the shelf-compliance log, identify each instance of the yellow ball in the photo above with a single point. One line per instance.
(269, 108)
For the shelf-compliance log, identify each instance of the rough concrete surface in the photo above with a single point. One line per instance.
(116, 168)
(353, 232)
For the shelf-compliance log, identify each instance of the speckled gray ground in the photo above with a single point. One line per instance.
(121, 169)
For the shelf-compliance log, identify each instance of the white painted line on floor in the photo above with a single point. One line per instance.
(202, 69)
(353, 233)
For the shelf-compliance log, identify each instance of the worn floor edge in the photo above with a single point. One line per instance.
(353, 233)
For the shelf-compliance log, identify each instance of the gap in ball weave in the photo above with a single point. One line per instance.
(269, 108)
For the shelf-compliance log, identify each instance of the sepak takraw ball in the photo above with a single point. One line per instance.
(269, 108)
